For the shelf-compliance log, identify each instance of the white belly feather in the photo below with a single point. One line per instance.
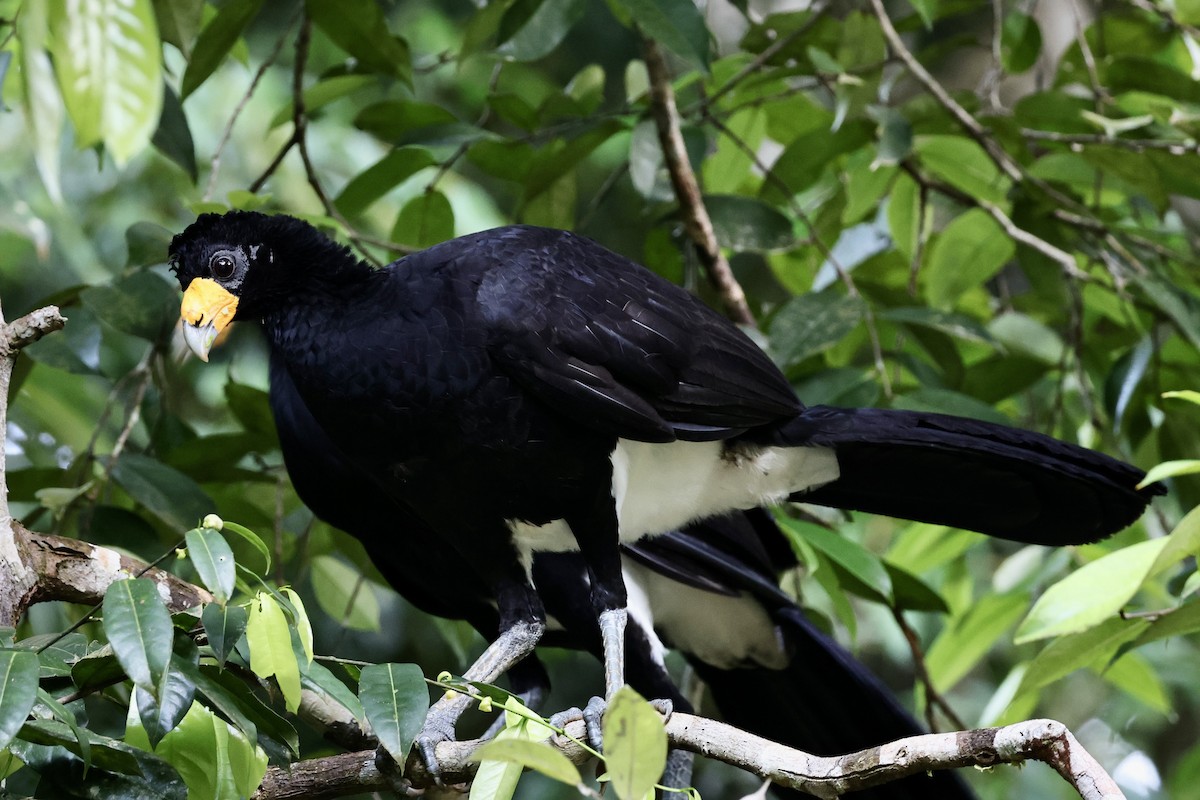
(662, 487)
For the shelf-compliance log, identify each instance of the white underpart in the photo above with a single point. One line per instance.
(662, 487)
(641, 612)
(724, 631)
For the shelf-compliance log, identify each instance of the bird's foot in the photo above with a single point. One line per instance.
(394, 774)
(593, 718)
(439, 727)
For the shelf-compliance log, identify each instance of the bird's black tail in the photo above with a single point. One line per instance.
(979, 476)
(823, 702)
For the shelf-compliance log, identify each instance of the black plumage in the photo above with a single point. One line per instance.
(524, 390)
(822, 700)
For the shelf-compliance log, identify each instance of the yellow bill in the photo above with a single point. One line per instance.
(206, 309)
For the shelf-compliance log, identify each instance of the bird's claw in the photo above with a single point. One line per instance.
(394, 774)
(593, 718)
(438, 728)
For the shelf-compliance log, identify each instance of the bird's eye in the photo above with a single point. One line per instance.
(222, 266)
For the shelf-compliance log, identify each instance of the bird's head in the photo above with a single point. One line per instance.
(244, 265)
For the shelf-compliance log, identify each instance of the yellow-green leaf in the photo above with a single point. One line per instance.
(271, 653)
(108, 58)
(535, 755)
(635, 745)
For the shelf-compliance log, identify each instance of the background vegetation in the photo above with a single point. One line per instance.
(984, 208)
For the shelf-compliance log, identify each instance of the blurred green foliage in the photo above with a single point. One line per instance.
(1042, 271)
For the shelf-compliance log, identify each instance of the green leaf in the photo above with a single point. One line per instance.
(359, 28)
(958, 325)
(1187, 394)
(251, 538)
(963, 164)
(425, 220)
(635, 745)
(395, 701)
(539, 756)
(139, 628)
(812, 323)
(322, 93)
(108, 59)
(1091, 594)
(179, 22)
(169, 494)
(215, 41)
(1169, 469)
(864, 565)
(1178, 305)
(1066, 654)
(271, 653)
(224, 625)
(173, 138)
(1020, 42)
(317, 678)
(904, 215)
(381, 177)
(970, 250)
(108, 754)
(160, 716)
(96, 670)
(233, 697)
(966, 639)
(946, 401)
(301, 622)
(743, 223)
(807, 157)
(1135, 676)
(1178, 622)
(912, 593)
(213, 560)
(676, 24)
(497, 779)
(344, 594)
(19, 674)
(214, 758)
(142, 304)
(543, 31)
(396, 120)
(1019, 333)
(42, 102)
(147, 244)
(65, 716)
(926, 10)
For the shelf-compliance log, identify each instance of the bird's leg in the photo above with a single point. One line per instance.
(596, 532)
(612, 634)
(678, 772)
(522, 623)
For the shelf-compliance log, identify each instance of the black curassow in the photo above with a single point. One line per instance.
(525, 390)
(709, 590)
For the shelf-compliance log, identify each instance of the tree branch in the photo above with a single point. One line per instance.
(825, 777)
(17, 579)
(687, 188)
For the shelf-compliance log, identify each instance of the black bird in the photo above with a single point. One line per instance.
(524, 390)
(709, 591)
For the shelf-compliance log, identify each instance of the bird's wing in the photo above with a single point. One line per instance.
(609, 343)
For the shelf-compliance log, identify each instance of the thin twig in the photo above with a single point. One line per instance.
(825, 251)
(816, 11)
(215, 165)
(1075, 140)
(687, 188)
(934, 699)
(968, 122)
